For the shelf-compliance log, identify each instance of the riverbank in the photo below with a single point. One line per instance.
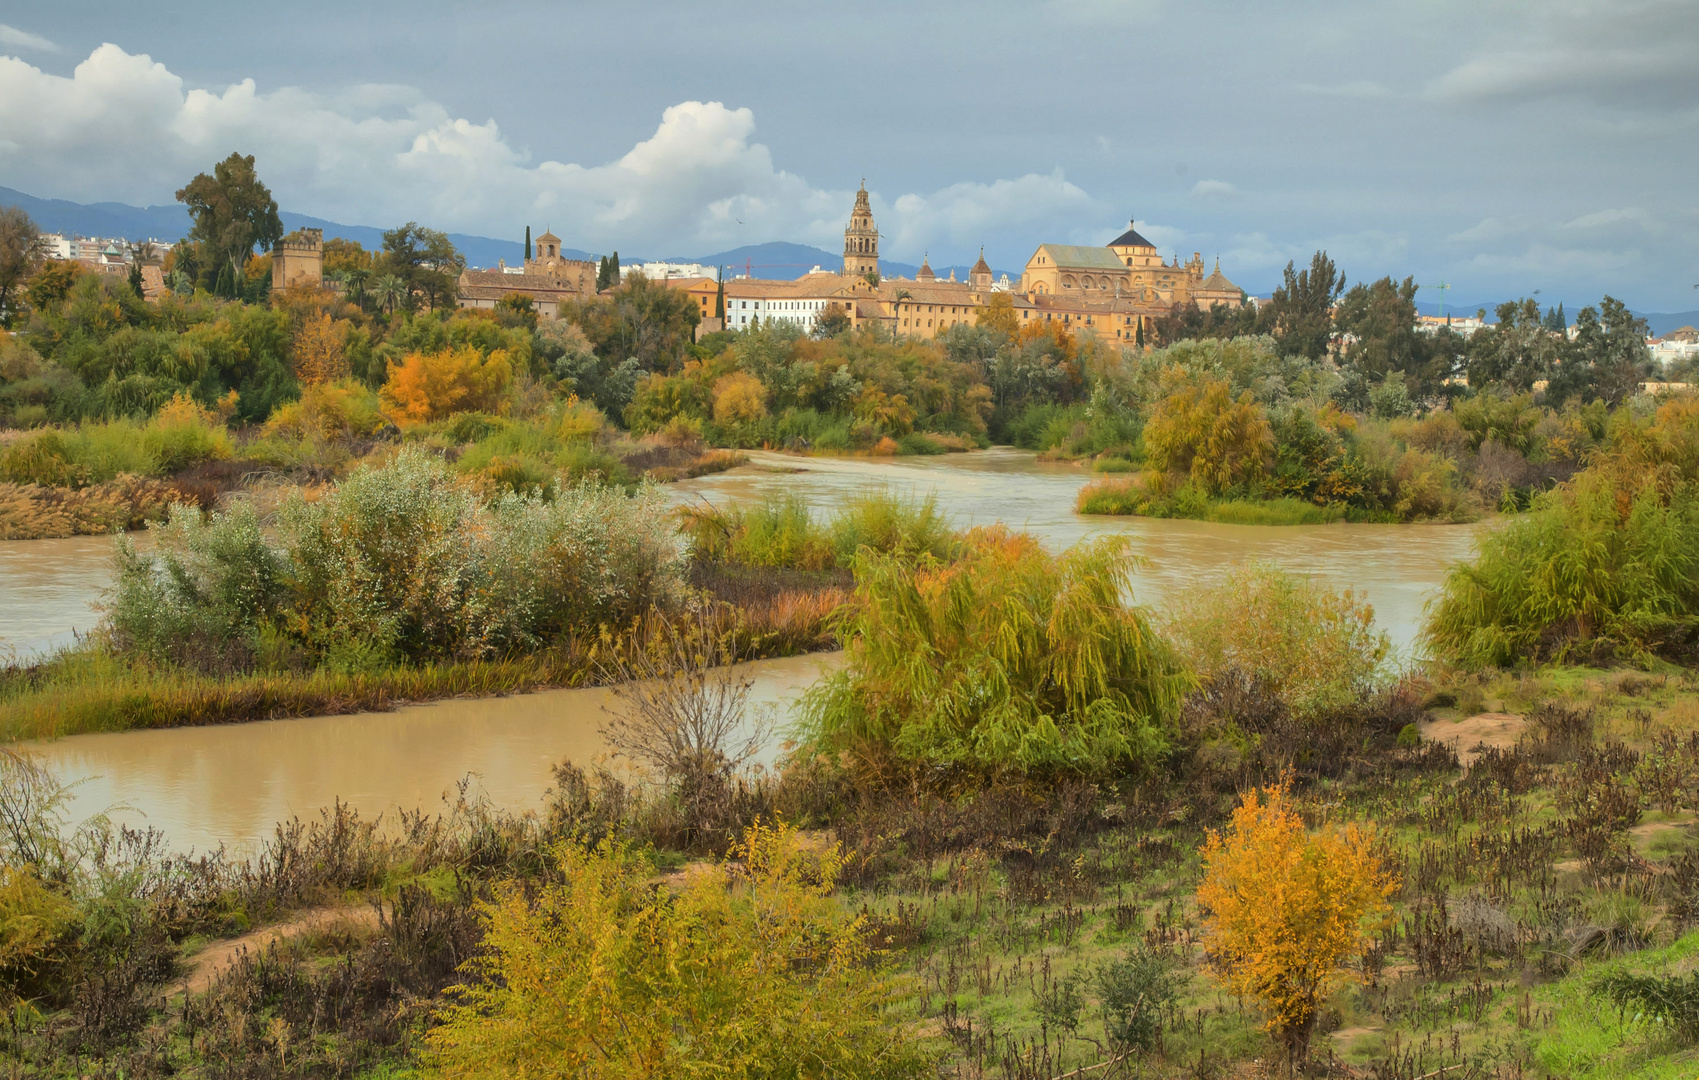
(88, 689)
(1012, 923)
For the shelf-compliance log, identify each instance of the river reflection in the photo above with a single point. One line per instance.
(231, 783)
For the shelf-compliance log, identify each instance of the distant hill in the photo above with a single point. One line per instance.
(171, 223)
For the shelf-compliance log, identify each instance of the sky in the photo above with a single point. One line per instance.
(1500, 148)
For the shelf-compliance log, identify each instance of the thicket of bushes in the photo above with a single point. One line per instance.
(1605, 565)
(396, 564)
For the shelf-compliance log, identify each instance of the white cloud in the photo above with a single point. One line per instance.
(1632, 215)
(12, 37)
(1356, 90)
(1214, 189)
(125, 127)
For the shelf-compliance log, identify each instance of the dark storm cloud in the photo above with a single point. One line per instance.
(1500, 147)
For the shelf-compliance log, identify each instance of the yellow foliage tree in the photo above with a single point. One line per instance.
(318, 350)
(749, 970)
(425, 387)
(1283, 909)
(1198, 430)
(739, 398)
(999, 315)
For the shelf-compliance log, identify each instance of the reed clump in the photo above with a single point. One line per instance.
(781, 533)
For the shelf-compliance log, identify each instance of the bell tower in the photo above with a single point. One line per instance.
(861, 239)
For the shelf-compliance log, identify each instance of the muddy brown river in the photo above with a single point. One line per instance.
(230, 784)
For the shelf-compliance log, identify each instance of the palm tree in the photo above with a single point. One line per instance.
(897, 299)
(355, 280)
(390, 292)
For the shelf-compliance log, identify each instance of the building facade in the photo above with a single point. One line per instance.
(548, 278)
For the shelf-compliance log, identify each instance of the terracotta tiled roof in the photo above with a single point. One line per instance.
(1072, 256)
(495, 284)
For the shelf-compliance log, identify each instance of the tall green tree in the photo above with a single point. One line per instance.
(1516, 351)
(1380, 320)
(425, 260)
(527, 245)
(233, 212)
(602, 275)
(1303, 307)
(20, 252)
(639, 319)
(1609, 358)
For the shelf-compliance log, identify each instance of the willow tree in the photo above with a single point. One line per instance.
(1007, 660)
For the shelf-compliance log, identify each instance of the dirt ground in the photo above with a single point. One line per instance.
(1495, 729)
(205, 966)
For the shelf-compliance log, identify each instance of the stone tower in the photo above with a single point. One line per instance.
(298, 260)
(980, 276)
(861, 239)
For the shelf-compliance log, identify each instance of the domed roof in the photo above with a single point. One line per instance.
(925, 272)
(981, 267)
(1131, 238)
(1217, 282)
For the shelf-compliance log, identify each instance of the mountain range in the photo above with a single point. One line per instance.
(776, 259)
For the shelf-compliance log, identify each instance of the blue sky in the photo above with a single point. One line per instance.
(1502, 148)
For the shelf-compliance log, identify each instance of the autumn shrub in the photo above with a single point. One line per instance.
(1284, 909)
(429, 386)
(739, 398)
(750, 969)
(183, 434)
(1316, 648)
(1007, 660)
(343, 409)
(34, 921)
(1199, 431)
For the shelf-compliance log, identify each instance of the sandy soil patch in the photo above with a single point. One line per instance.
(206, 965)
(1496, 729)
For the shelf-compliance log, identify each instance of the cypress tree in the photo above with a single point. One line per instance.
(602, 274)
(1138, 338)
(613, 269)
(720, 300)
(527, 245)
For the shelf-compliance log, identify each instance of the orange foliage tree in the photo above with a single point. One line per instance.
(1200, 431)
(425, 387)
(1284, 908)
(318, 350)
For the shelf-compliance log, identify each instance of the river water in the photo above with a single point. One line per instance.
(230, 784)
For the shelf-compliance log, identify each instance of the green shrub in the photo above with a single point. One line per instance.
(1668, 999)
(1318, 649)
(780, 531)
(1607, 563)
(405, 561)
(201, 596)
(1008, 660)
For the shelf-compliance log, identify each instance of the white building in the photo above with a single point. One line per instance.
(1677, 345)
(664, 271)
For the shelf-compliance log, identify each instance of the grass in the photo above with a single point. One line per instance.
(1130, 497)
